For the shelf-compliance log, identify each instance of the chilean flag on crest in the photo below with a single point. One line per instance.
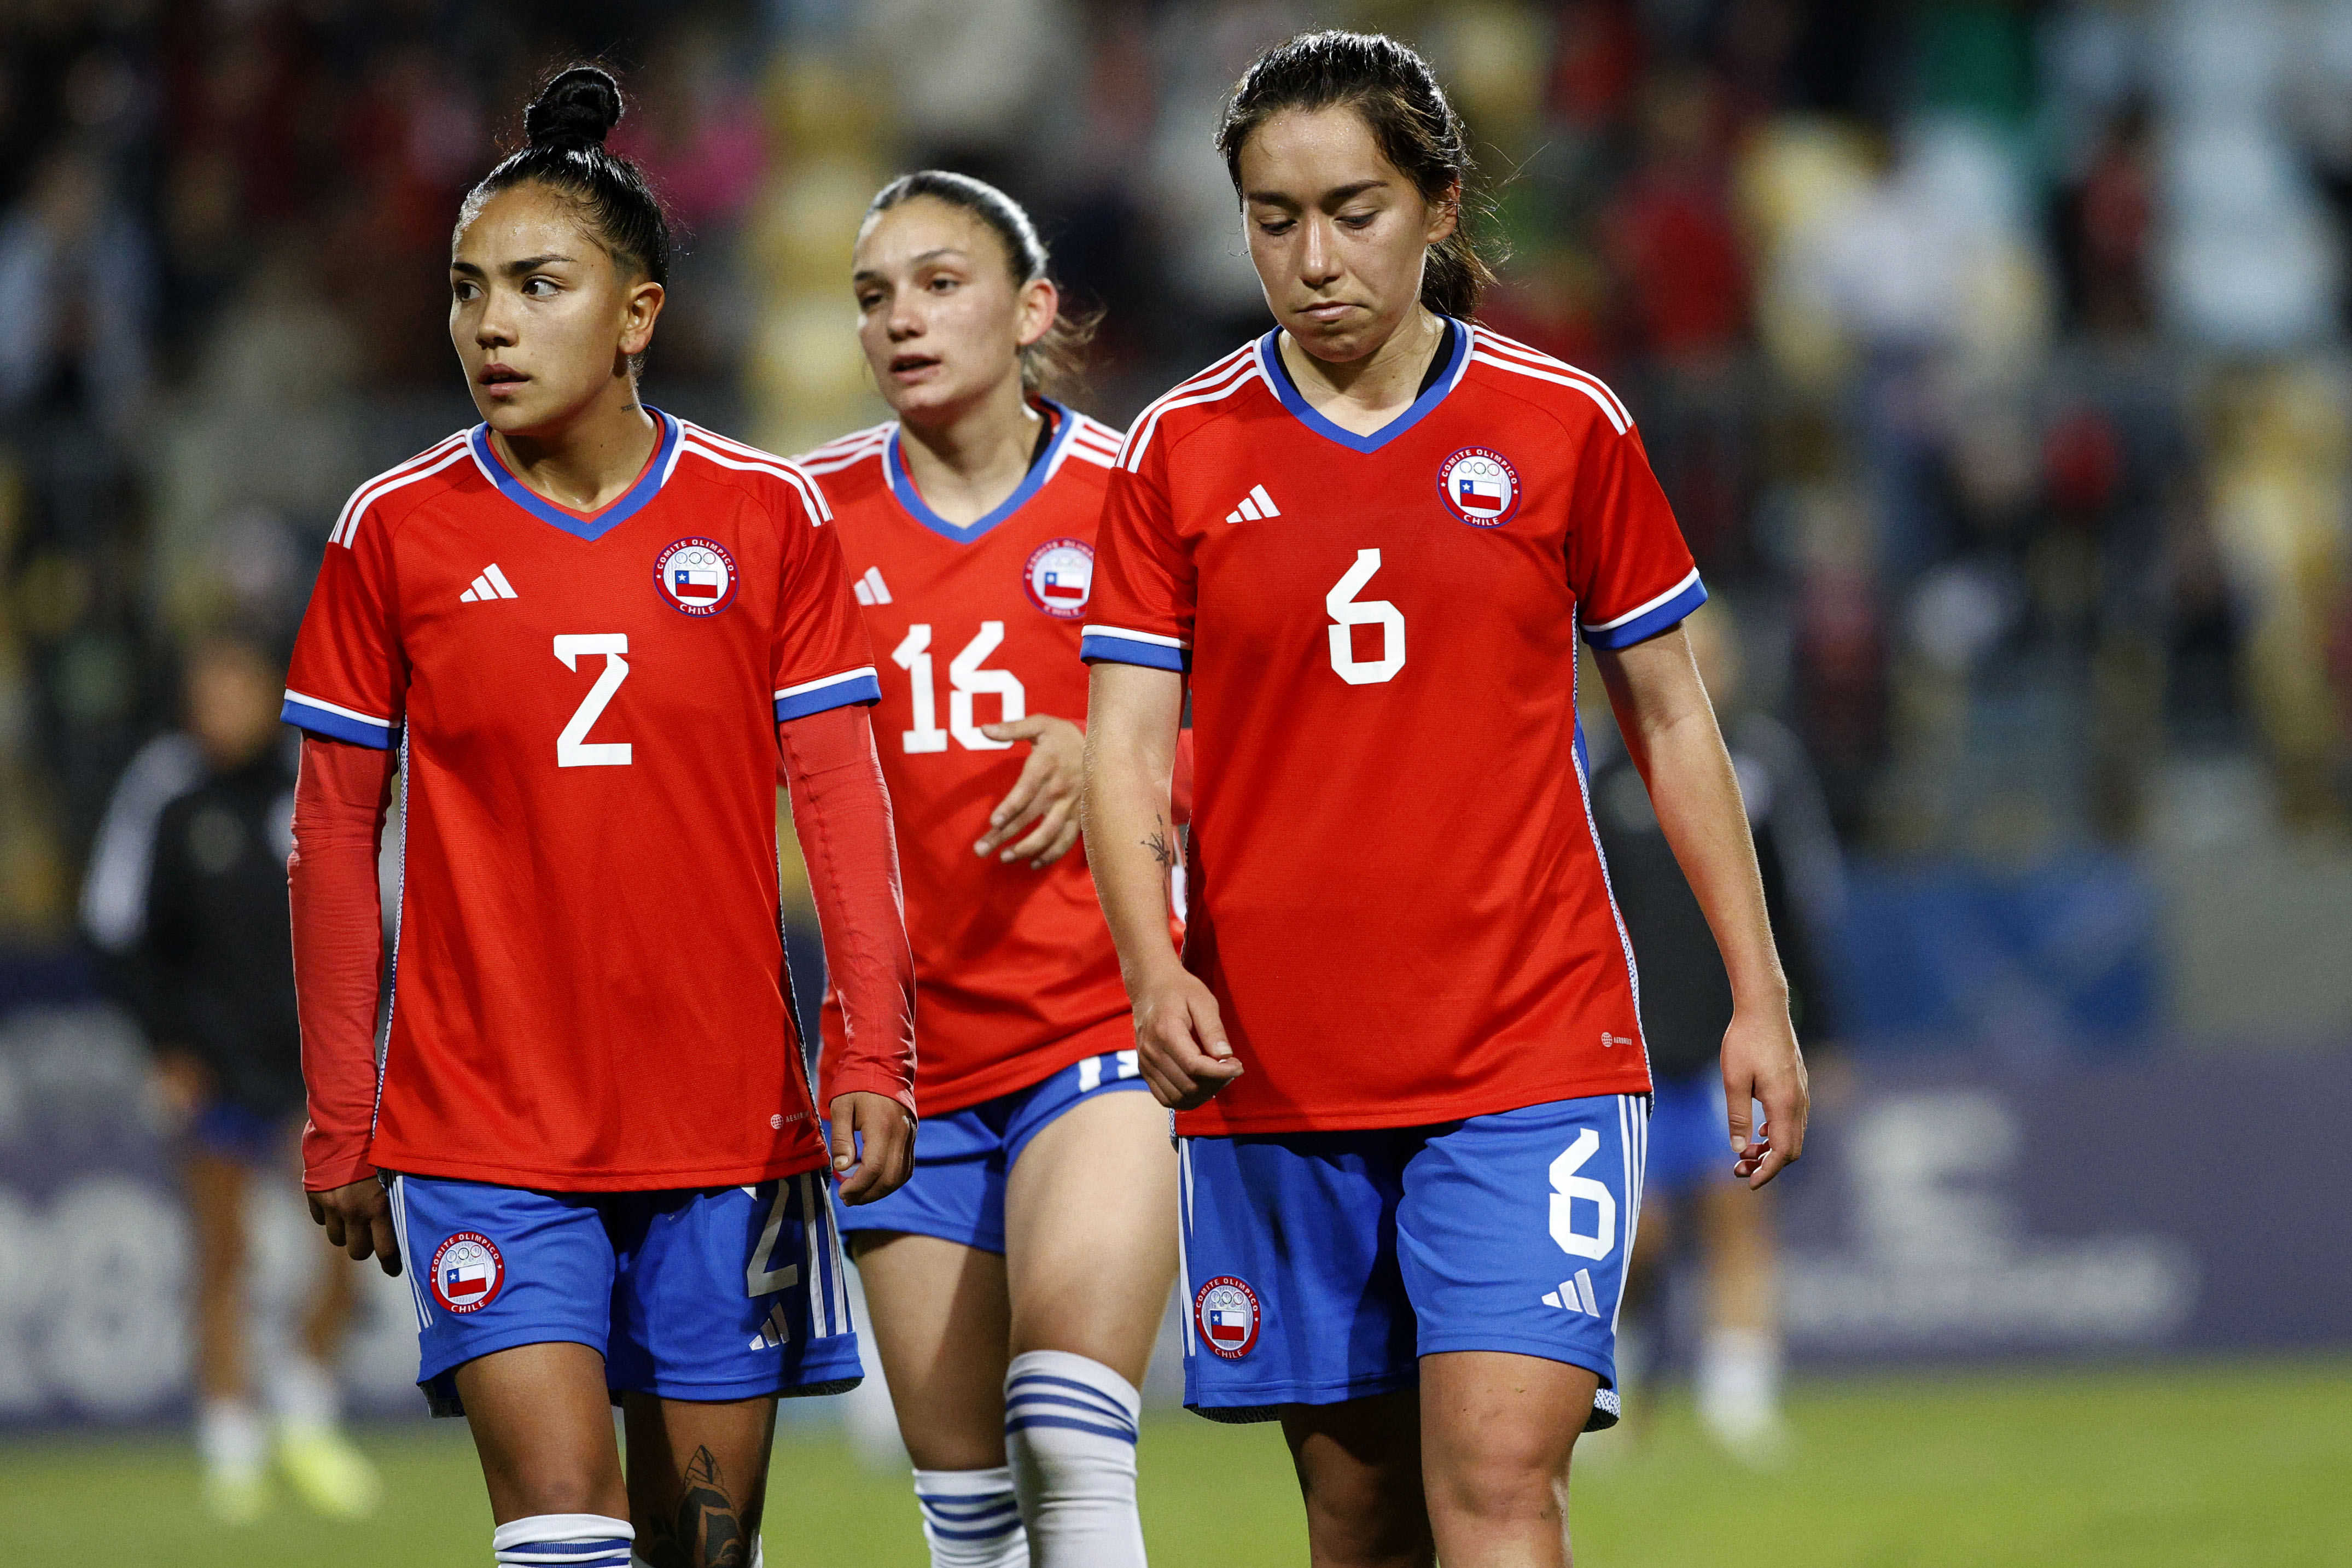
(1479, 494)
(1052, 585)
(695, 583)
(465, 1280)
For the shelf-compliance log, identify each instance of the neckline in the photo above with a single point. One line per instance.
(1041, 467)
(588, 525)
(1277, 375)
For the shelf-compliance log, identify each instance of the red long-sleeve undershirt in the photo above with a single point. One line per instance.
(841, 809)
(1179, 783)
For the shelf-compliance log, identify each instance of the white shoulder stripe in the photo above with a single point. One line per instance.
(1607, 405)
(811, 496)
(848, 448)
(1092, 455)
(423, 466)
(1511, 348)
(1139, 440)
(729, 443)
(850, 438)
(1216, 372)
(835, 465)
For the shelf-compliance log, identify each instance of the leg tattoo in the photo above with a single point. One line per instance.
(708, 1532)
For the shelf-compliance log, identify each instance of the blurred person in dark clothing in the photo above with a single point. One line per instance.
(1685, 1006)
(187, 899)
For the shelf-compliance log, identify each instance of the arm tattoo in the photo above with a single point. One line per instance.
(1158, 844)
(708, 1529)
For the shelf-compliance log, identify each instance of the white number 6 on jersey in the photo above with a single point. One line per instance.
(1566, 1187)
(1347, 613)
(573, 748)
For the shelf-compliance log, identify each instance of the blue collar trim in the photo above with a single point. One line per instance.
(902, 483)
(1277, 375)
(590, 529)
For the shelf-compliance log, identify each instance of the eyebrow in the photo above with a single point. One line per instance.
(866, 273)
(1333, 197)
(512, 268)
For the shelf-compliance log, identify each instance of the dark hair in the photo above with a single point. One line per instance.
(1411, 119)
(564, 127)
(1057, 359)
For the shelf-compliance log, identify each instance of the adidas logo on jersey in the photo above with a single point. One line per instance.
(869, 588)
(1255, 506)
(492, 584)
(1575, 1295)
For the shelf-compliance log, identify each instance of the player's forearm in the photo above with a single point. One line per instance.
(841, 811)
(1696, 795)
(1130, 831)
(338, 923)
(1669, 727)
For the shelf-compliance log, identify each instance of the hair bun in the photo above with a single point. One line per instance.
(574, 111)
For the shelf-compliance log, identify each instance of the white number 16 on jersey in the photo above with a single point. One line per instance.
(1347, 613)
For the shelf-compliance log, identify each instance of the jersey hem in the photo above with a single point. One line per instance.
(1202, 1124)
(1643, 625)
(1100, 648)
(417, 1163)
(860, 686)
(1029, 1069)
(316, 717)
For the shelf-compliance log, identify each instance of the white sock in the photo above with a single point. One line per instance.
(571, 1540)
(1069, 1432)
(230, 1437)
(303, 1396)
(1739, 1381)
(970, 1519)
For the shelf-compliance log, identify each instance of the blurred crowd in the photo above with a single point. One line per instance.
(1991, 353)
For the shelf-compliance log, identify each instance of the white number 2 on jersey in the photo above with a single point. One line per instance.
(1347, 613)
(573, 748)
(966, 680)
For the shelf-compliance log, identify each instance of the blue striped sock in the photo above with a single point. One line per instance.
(564, 1541)
(1069, 1432)
(970, 1519)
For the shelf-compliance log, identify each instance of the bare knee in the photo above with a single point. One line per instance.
(1360, 1475)
(1497, 1488)
(525, 1489)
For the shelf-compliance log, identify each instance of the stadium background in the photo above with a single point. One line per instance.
(1992, 354)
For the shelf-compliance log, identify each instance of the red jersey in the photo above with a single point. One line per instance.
(1015, 976)
(1395, 889)
(588, 988)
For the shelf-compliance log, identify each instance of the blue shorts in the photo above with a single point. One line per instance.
(1322, 1266)
(1690, 1133)
(712, 1294)
(962, 1158)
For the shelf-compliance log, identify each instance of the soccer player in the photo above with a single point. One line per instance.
(1403, 1039)
(1016, 1282)
(186, 898)
(1736, 1371)
(589, 635)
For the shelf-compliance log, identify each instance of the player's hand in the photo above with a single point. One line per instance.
(873, 1145)
(1761, 1063)
(1180, 1040)
(1045, 799)
(358, 1218)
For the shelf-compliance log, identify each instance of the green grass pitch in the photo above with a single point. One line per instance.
(2202, 1465)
